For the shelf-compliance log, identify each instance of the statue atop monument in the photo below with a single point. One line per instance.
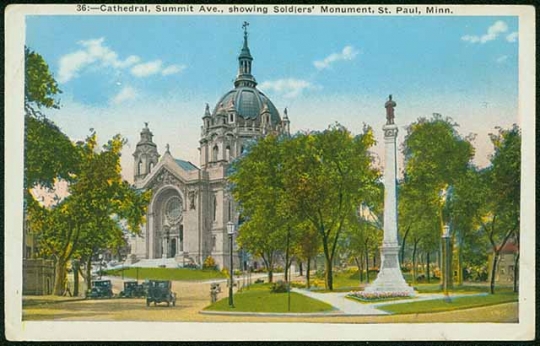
(389, 105)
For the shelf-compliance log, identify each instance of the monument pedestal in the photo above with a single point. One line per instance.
(390, 278)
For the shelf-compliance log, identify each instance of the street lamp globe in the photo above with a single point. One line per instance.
(230, 228)
(446, 231)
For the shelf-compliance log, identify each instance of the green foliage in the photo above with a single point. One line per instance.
(40, 87)
(92, 216)
(436, 157)
(174, 274)
(297, 187)
(279, 287)
(49, 153)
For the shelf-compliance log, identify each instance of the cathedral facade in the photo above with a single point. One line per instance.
(187, 217)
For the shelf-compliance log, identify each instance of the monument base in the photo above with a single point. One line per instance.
(390, 279)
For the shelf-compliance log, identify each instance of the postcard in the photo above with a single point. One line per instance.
(269, 172)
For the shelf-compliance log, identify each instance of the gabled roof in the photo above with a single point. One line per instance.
(509, 247)
(186, 165)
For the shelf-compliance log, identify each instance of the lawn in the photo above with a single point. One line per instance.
(175, 274)
(454, 304)
(258, 298)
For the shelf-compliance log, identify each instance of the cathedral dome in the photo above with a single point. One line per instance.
(248, 103)
(245, 99)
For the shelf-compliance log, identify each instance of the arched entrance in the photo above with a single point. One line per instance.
(168, 210)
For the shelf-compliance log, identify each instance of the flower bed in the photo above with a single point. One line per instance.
(376, 296)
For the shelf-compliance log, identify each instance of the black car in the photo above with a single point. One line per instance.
(101, 289)
(132, 290)
(159, 291)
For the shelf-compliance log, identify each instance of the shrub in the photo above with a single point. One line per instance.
(259, 281)
(298, 284)
(319, 274)
(225, 271)
(209, 263)
(279, 287)
(191, 266)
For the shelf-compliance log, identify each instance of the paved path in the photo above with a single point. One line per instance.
(350, 307)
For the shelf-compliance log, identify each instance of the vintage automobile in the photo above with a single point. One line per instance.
(132, 289)
(100, 289)
(159, 291)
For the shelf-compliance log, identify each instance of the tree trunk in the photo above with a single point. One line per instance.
(493, 272)
(76, 279)
(307, 272)
(367, 266)
(516, 272)
(427, 267)
(89, 273)
(301, 269)
(359, 266)
(270, 276)
(414, 264)
(329, 276)
(60, 277)
(403, 246)
(459, 262)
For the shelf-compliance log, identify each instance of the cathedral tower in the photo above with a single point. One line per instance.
(146, 155)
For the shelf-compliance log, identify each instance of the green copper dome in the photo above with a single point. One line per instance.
(248, 103)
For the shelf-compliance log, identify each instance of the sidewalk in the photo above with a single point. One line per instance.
(351, 307)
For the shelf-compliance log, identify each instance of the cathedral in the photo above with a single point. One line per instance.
(187, 216)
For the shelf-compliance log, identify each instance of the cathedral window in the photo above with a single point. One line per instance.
(231, 118)
(242, 149)
(228, 153)
(215, 208)
(139, 167)
(151, 166)
(215, 152)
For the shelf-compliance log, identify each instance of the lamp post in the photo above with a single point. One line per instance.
(100, 264)
(446, 257)
(230, 232)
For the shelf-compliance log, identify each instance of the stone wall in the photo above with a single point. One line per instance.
(38, 276)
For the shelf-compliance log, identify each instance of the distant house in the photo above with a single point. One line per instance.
(505, 267)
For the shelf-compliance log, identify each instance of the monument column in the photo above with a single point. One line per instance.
(390, 278)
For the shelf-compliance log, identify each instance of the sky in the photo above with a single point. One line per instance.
(117, 72)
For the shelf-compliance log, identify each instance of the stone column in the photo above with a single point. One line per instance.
(150, 235)
(390, 278)
(165, 248)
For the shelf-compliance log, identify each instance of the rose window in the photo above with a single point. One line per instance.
(173, 209)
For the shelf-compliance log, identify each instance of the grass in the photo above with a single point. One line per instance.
(429, 306)
(258, 298)
(175, 274)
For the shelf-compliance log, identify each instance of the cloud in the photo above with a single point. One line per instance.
(348, 53)
(512, 37)
(127, 93)
(493, 32)
(288, 87)
(146, 69)
(502, 59)
(172, 69)
(93, 52)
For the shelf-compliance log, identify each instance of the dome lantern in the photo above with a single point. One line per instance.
(245, 78)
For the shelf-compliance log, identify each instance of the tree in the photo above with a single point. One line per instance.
(90, 217)
(436, 157)
(328, 174)
(256, 182)
(500, 216)
(49, 153)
